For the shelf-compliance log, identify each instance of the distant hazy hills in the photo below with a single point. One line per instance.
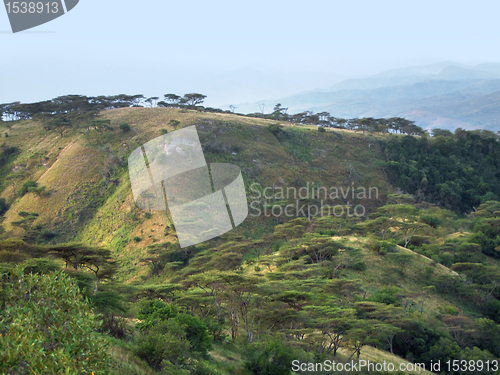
(444, 95)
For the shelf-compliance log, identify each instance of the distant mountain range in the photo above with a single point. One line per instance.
(444, 95)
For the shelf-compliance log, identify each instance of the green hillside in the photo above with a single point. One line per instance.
(406, 274)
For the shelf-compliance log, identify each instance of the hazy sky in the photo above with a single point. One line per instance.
(158, 46)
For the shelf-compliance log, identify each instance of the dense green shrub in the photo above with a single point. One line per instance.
(448, 350)
(7, 154)
(155, 313)
(109, 303)
(38, 190)
(166, 343)
(24, 189)
(3, 206)
(174, 123)
(216, 329)
(387, 295)
(431, 220)
(47, 327)
(125, 127)
(492, 310)
(358, 266)
(420, 336)
(381, 246)
(269, 358)
(276, 129)
(196, 332)
(40, 266)
(169, 336)
(47, 234)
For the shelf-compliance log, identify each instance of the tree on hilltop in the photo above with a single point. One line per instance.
(171, 100)
(152, 101)
(279, 112)
(192, 99)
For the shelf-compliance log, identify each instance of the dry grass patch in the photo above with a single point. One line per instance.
(75, 165)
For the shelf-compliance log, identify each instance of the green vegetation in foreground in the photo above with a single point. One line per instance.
(48, 327)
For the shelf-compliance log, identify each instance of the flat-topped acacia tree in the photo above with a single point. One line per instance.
(95, 259)
(192, 99)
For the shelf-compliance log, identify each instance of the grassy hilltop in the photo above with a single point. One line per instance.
(413, 280)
